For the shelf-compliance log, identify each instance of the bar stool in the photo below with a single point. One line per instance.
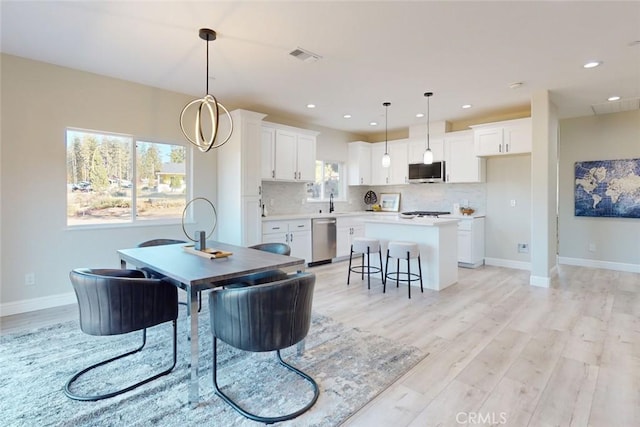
(408, 251)
(365, 245)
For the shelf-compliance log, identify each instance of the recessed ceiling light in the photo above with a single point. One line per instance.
(311, 105)
(373, 123)
(420, 115)
(465, 106)
(347, 116)
(613, 98)
(592, 64)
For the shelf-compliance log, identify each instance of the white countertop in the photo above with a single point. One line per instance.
(423, 221)
(460, 216)
(327, 215)
(383, 217)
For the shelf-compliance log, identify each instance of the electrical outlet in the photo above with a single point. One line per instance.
(523, 248)
(513, 203)
(271, 202)
(592, 247)
(30, 279)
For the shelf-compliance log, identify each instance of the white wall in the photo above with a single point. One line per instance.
(617, 240)
(39, 101)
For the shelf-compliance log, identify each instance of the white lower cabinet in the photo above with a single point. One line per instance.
(347, 228)
(471, 242)
(295, 233)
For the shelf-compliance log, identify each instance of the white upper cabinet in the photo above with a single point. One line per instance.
(379, 175)
(306, 157)
(417, 148)
(461, 163)
(399, 170)
(359, 165)
(268, 150)
(503, 138)
(288, 154)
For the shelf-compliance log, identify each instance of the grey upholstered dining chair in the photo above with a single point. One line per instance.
(118, 301)
(262, 318)
(276, 248)
(153, 274)
(265, 276)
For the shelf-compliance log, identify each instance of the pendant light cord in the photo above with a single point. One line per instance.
(386, 121)
(207, 76)
(428, 120)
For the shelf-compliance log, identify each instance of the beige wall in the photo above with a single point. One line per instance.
(39, 101)
(610, 136)
(508, 178)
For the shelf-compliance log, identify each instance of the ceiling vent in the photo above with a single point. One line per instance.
(616, 106)
(304, 55)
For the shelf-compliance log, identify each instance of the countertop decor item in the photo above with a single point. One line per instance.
(390, 202)
(467, 211)
(370, 198)
(210, 105)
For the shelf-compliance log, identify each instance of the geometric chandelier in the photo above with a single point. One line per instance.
(210, 121)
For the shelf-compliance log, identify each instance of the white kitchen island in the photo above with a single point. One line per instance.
(438, 241)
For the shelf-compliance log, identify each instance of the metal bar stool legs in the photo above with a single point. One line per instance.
(364, 246)
(408, 251)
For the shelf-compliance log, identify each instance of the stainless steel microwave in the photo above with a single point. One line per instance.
(419, 172)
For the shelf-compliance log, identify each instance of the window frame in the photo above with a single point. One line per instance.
(133, 221)
(342, 168)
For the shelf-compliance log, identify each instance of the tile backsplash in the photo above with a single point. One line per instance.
(283, 198)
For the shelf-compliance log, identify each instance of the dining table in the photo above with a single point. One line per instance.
(194, 273)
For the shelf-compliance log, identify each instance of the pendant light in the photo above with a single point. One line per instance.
(209, 104)
(386, 159)
(427, 159)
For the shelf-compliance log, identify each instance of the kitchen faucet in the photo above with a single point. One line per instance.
(331, 208)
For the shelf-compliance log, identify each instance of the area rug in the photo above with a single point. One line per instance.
(350, 366)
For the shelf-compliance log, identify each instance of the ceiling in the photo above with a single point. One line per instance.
(371, 52)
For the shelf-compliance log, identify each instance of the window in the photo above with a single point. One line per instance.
(329, 180)
(104, 173)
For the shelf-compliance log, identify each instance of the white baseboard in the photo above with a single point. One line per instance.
(540, 281)
(34, 304)
(607, 265)
(499, 262)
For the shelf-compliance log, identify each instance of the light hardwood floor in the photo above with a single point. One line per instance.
(500, 351)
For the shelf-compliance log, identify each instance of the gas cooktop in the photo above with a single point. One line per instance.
(426, 213)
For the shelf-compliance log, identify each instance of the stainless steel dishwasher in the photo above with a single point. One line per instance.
(323, 240)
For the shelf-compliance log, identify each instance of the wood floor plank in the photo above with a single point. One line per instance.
(498, 347)
(566, 400)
